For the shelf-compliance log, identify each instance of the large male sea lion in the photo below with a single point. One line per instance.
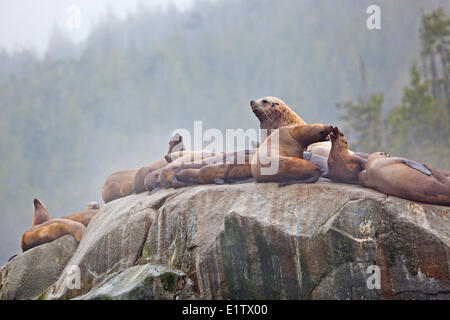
(118, 185)
(51, 230)
(286, 145)
(176, 150)
(343, 166)
(406, 179)
(274, 113)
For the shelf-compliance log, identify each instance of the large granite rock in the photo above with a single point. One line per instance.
(30, 273)
(259, 241)
(112, 242)
(304, 241)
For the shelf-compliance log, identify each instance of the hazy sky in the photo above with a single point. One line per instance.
(28, 23)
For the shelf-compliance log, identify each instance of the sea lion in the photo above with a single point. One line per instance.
(118, 185)
(176, 150)
(176, 143)
(41, 214)
(286, 145)
(274, 113)
(343, 166)
(153, 179)
(406, 179)
(226, 167)
(51, 230)
(84, 216)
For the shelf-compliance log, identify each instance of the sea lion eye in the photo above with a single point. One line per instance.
(264, 101)
(276, 103)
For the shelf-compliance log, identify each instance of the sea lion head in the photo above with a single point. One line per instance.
(264, 108)
(41, 214)
(338, 139)
(176, 143)
(93, 205)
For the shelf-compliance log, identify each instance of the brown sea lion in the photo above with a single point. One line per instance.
(153, 179)
(118, 185)
(84, 216)
(285, 147)
(176, 150)
(51, 230)
(226, 167)
(343, 166)
(406, 179)
(274, 113)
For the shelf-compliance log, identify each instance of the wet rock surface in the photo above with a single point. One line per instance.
(29, 274)
(260, 241)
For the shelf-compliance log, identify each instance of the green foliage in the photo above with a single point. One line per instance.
(364, 123)
(419, 127)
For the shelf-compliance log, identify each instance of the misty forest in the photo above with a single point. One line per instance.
(85, 110)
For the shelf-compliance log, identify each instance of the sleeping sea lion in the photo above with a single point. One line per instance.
(406, 179)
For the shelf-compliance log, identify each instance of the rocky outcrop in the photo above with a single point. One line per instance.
(247, 241)
(112, 242)
(27, 275)
(259, 241)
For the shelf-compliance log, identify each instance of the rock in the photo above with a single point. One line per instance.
(146, 282)
(304, 241)
(259, 241)
(28, 274)
(112, 242)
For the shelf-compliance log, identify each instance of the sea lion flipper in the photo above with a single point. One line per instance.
(416, 165)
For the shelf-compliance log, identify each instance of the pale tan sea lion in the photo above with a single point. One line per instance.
(406, 179)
